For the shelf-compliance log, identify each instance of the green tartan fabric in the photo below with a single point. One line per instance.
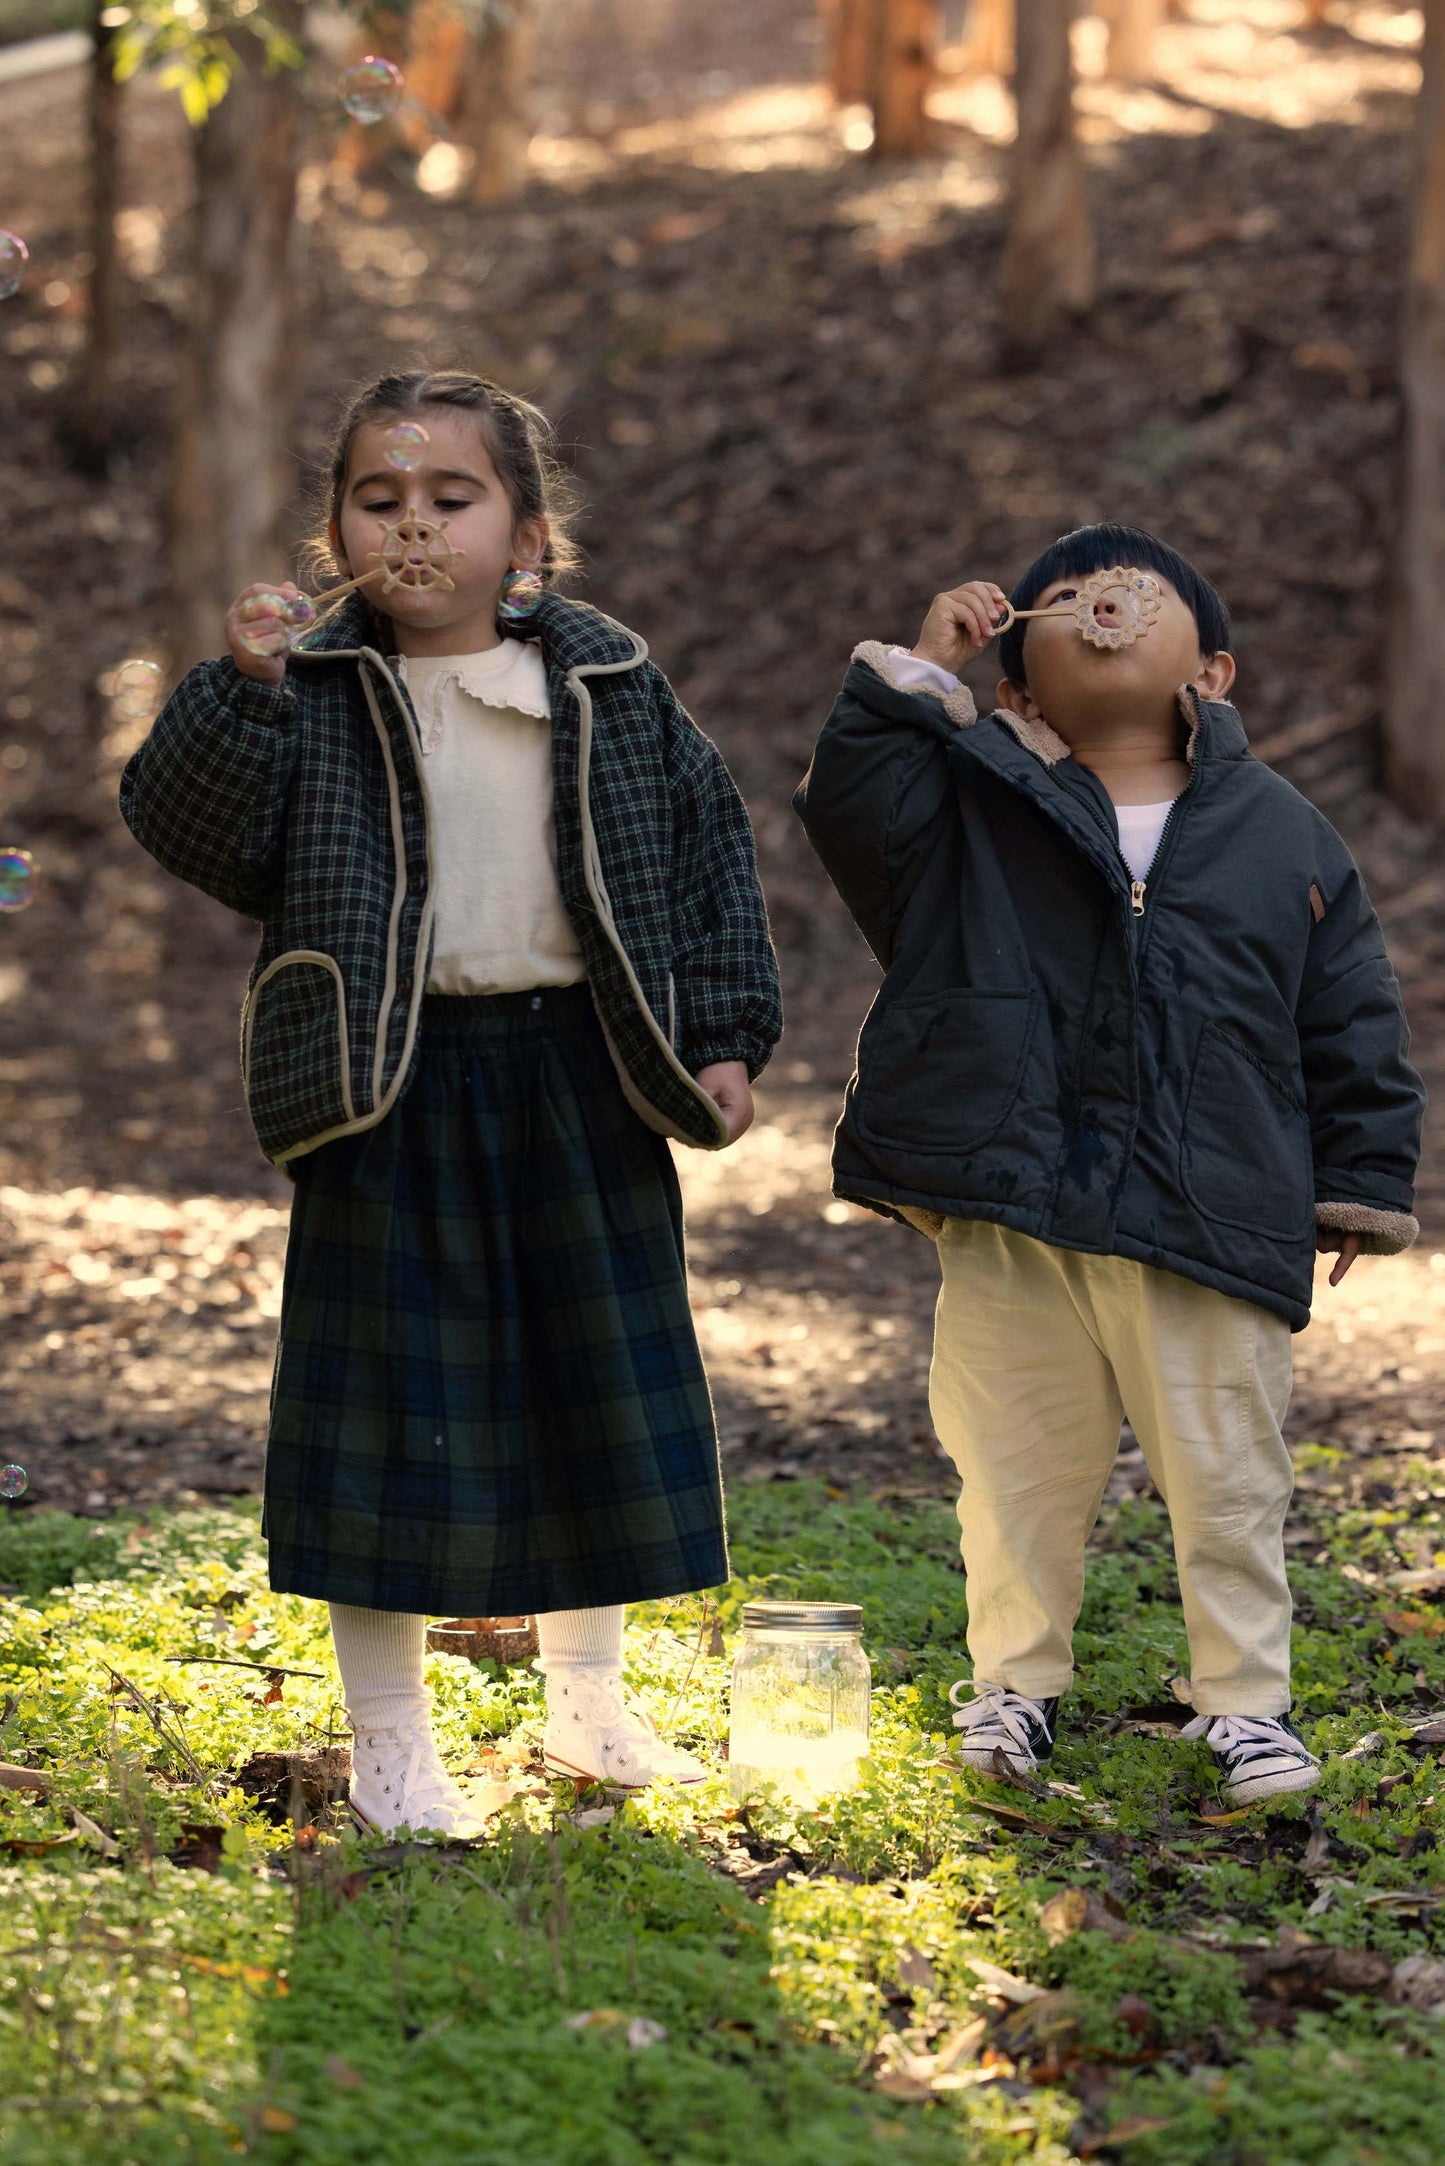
(488, 1397)
(305, 806)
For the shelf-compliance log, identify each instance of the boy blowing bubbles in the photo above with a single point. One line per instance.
(1137, 1053)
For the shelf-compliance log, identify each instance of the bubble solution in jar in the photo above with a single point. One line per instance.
(799, 1702)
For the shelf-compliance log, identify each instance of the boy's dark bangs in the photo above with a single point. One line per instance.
(1097, 549)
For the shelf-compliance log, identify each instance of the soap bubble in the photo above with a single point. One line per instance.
(17, 879)
(371, 91)
(405, 447)
(14, 1481)
(295, 612)
(14, 255)
(136, 690)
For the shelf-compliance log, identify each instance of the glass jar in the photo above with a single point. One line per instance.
(799, 1702)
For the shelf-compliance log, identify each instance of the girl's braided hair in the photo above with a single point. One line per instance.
(520, 438)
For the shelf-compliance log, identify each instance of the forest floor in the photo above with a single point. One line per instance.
(779, 367)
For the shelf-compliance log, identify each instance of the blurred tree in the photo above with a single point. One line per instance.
(470, 67)
(240, 371)
(1414, 742)
(1048, 269)
(92, 416)
(883, 55)
(991, 37)
(1131, 24)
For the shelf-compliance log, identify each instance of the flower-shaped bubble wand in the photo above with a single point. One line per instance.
(1110, 609)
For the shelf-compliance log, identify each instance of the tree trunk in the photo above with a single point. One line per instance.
(904, 57)
(493, 115)
(1048, 267)
(1132, 26)
(241, 366)
(1414, 742)
(848, 31)
(91, 426)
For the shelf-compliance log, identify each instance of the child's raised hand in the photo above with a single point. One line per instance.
(960, 624)
(258, 638)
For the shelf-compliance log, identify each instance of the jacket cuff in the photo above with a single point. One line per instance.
(753, 1057)
(252, 702)
(957, 705)
(1385, 1233)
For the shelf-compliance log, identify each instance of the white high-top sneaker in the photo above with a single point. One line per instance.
(594, 1736)
(397, 1780)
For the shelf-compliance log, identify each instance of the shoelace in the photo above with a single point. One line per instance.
(1251, 1738)
(423, 1786)
(625, 1738)
(997, 1717)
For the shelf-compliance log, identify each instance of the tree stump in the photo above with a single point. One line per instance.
(498, 1639)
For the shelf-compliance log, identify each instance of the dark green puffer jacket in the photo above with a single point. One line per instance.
(1196, 1070)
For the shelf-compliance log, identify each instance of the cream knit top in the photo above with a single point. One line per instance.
(486, 739)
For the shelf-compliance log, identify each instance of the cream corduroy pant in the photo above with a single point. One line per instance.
(1037, 1353)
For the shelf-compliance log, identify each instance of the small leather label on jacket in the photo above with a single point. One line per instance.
(1317, 902)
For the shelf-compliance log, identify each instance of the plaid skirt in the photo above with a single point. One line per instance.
(488, 1397)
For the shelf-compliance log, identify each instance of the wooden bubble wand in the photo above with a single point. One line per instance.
(415, 554)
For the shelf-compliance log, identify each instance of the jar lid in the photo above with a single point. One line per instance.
(802, 1617)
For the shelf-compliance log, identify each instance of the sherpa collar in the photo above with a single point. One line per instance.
(1224, 736)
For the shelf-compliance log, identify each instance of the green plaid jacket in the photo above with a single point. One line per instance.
(305, 806)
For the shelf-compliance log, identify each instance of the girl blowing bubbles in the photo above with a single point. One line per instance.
(512, 940)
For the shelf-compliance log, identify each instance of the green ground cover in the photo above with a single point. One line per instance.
(836, 1986)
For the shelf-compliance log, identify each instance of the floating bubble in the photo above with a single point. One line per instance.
(136, 690)
(405, 447)
(294, 611)
(371, 90)
(14, 255)
(17, 879)
(14, 1481)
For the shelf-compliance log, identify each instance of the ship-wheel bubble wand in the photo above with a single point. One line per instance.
(1109, 609)
(416, 555)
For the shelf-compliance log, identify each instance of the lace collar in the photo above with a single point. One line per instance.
(511, 676)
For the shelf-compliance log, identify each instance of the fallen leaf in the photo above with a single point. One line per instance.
(1003, 1981)
(914, 1969)
(960, 2046)
(1424, 1623)
(342, 2074)
(278, 2121)
(1138, 2124)
(1080, 1910)
(643, 2032)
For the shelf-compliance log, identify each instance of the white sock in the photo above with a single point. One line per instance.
(379, 1653)
(581, 1639)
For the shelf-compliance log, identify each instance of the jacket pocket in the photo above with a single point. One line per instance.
(295, 1049)
(941, 1071)
(1246, 1159)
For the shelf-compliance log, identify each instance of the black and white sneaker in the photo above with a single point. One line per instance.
(1259, 1755)
(999, 1720)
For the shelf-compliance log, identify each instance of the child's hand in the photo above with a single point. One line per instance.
(960, 624)
(726, 1083)
(258, 638)
(1348, 1245)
